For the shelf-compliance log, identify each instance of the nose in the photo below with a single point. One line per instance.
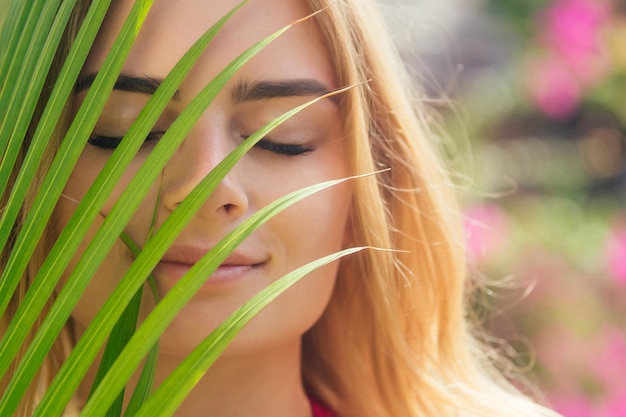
(199, 153)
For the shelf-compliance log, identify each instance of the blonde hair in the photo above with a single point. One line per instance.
(394, 340)
(62, 346)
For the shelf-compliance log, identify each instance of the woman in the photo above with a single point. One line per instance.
(381, 333)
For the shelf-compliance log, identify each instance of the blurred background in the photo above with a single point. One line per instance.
(530, 96)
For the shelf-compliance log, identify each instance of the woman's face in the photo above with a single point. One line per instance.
(305, 150)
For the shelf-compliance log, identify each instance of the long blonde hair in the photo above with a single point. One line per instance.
(62, 346)
(394, 340)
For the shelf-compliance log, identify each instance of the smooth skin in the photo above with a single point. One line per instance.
(259, 374)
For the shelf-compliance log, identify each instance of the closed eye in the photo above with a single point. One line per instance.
(112, 142)
(287, 149)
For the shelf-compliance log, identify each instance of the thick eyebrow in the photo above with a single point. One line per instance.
(125, 82)
(261, 90)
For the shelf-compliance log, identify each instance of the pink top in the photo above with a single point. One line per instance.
(320, 410)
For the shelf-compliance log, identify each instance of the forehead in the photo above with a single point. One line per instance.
(173, 26)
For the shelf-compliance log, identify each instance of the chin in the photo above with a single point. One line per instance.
(271, 328)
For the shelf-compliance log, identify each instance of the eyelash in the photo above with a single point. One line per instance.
(287, 149)
(112, 142)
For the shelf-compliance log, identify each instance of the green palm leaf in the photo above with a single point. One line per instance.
(177, 386)
(24, 45)
(90, 207)
(46, 200)
(87, 347)
(59, 96)
(30, 39)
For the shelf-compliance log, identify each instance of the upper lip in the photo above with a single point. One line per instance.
(190, 255)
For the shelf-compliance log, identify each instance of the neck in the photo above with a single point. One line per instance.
(263, 384)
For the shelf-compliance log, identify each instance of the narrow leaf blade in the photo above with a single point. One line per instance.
(171, 393)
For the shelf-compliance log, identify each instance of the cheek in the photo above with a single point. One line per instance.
(89, 165)
(83, 175)
(109, 273)
(297, 310)
(119, 259)
(317, 225)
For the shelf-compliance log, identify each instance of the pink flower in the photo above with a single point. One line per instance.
(562, 353)
(486, 226)
(615, 407)
(573, 26)
(575, 57)
(552, 87)
(573, 406)
(609, 363)
(616, 253)
(574, 34)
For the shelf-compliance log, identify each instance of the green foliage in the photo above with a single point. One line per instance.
(4, 7)
(29, 41)
(516, 14)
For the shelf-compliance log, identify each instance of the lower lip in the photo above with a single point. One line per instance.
(222, 275)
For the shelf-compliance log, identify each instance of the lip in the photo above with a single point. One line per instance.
(178, 260)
